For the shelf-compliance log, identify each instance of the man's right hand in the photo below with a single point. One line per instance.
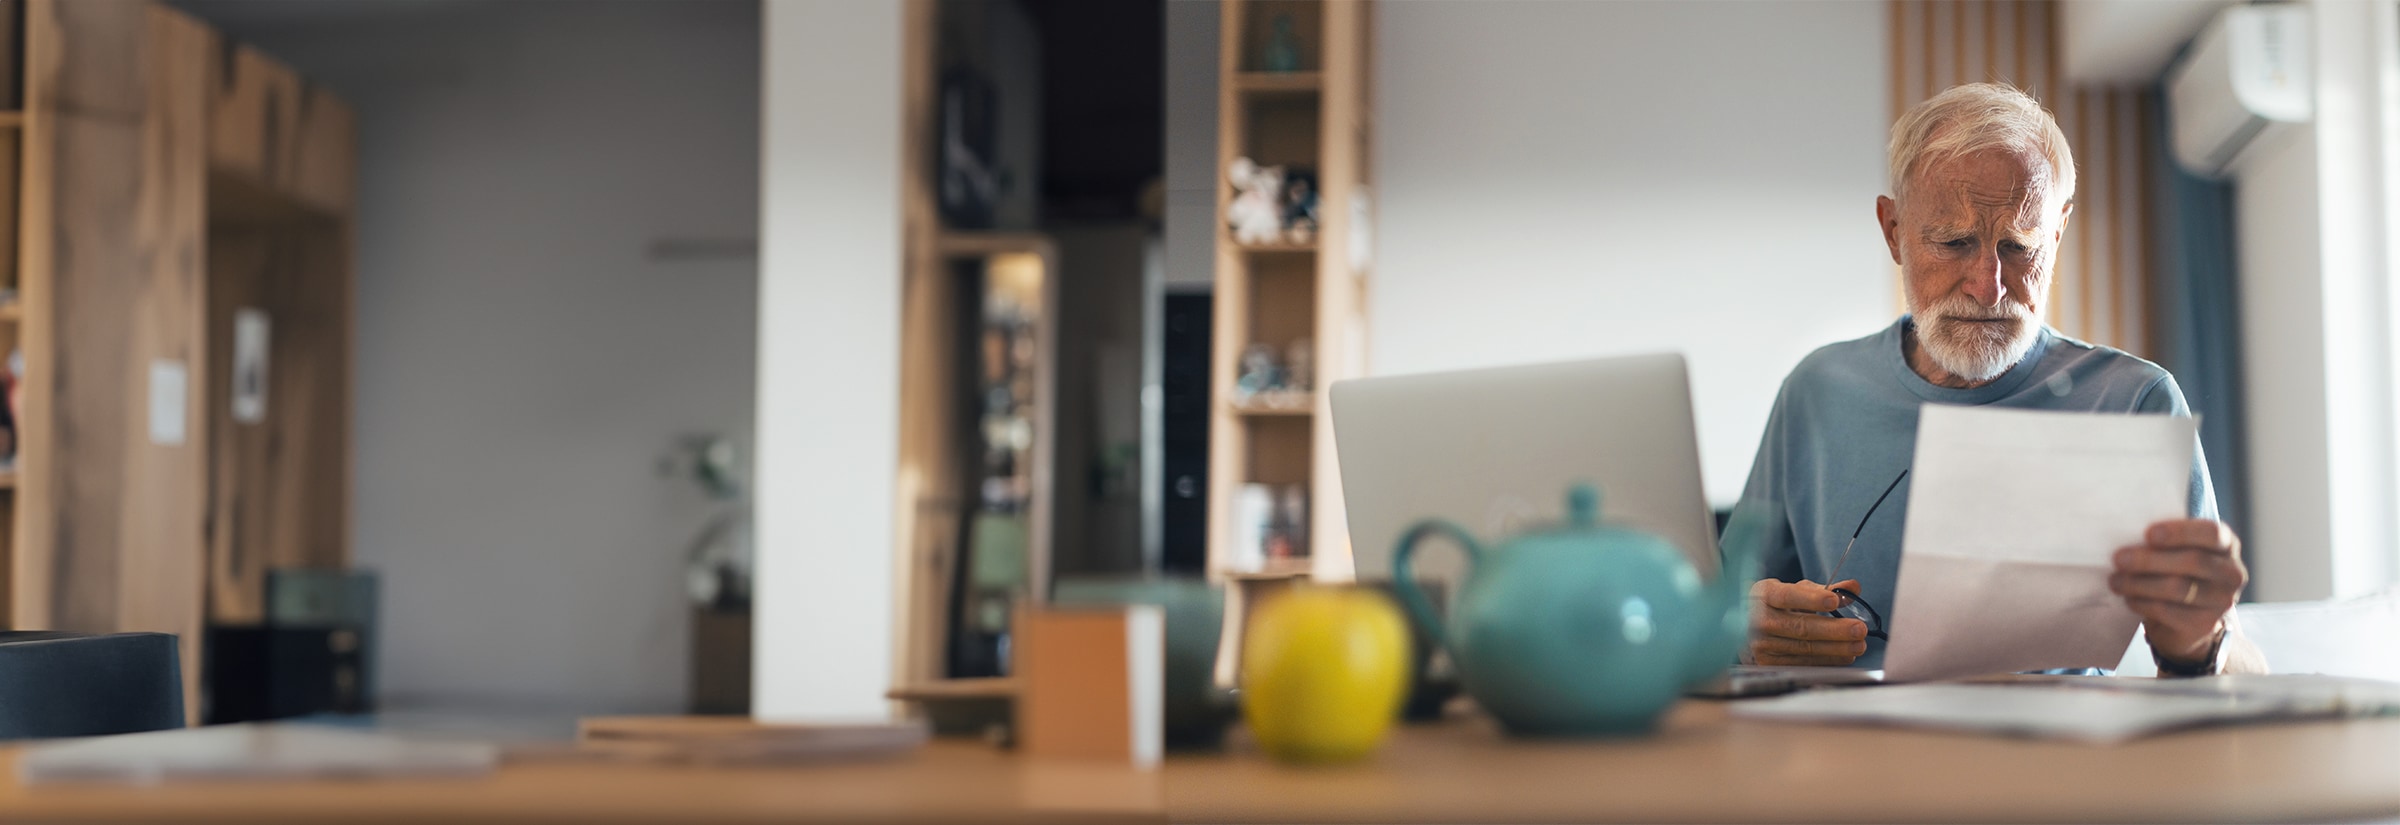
(1786, 628)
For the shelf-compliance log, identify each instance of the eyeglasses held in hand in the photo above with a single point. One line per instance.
(1854, 606)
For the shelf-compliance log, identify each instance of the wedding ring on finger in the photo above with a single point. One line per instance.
(2191, 591)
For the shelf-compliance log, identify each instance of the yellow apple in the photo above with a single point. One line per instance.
(1323, 672)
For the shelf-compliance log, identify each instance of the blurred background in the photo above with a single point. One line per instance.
(737, 356)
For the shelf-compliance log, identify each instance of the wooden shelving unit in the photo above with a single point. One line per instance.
(946, 345)
(1314, 117)
(158, 180)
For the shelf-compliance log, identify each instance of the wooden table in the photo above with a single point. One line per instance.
(1702, 767)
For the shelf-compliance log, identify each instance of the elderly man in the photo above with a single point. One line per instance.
(1982, 185)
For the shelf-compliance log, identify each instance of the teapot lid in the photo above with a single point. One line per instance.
(1583, 516)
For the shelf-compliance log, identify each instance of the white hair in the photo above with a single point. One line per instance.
(1973, 117)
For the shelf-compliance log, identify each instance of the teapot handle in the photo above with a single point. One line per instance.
(1404, 580)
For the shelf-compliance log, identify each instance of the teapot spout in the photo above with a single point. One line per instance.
(1728, 598)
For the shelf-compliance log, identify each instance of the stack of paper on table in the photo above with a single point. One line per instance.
(253, 751)
(735, 740)
(2097, 709)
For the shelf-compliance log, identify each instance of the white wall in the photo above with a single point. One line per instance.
(828, 360)
(1191, 93)
(1564, 180)
(2275, 213)
(2313, 216)
(522, 361)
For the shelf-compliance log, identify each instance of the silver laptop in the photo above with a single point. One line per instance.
(1496, 450)
(1769, 680)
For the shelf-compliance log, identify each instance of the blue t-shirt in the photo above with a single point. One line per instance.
(1845, 425)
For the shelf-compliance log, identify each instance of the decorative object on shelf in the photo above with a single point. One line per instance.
(1300, 205)
(1300, 366)
(1253, 523)
(1282, 50)
(1267, 384)
(1271, 523)
(1256, 212)
(1288, 538)
(1260, 373)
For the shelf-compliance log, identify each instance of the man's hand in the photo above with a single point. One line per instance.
(1785, 628)
(2182, 582)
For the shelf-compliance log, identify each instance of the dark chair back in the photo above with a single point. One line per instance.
(71, 684)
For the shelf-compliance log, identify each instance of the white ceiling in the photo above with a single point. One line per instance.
(2127, 42)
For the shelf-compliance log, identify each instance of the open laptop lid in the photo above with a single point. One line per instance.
(1496, 450)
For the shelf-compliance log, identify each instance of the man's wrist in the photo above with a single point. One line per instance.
(2210, 662)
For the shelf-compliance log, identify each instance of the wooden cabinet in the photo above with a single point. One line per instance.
(165, 180)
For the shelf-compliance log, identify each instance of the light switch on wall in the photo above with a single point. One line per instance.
(169, 388)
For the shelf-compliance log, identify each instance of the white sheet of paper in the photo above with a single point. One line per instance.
(249, 751)
(2012, 518)
(2095, 709)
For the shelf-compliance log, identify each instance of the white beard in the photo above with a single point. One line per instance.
(1975, 352)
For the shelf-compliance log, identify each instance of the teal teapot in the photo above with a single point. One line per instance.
(1582, 629)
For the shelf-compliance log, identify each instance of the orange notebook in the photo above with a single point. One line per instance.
(1094, 684)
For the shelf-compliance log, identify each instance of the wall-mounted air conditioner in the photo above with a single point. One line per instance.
(2246, 75)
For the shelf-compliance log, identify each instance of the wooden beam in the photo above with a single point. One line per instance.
(112, 499)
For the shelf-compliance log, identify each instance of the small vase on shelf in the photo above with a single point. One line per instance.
(1282, 52)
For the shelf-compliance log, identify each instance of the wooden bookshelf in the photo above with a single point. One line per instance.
(1314, 117)
(159, 179)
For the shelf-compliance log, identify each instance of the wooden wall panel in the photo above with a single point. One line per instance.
(279, 487)
(268, 125)
(111, 520)
(324, 165)
(930, 473)
(2100, 293)
(253, 106)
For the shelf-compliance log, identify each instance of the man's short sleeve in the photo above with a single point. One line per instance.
(1764, 499)
(2165, 397)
